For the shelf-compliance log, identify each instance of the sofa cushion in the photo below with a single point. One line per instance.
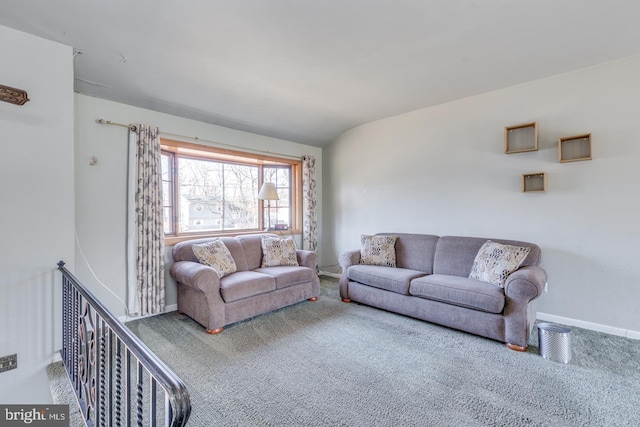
(414, 251)
(459, 291)
(183, 251)
(387, 278)
(252, 247)
(244, 284)
(216, 255)
(286, 276)
(495, 261)
(378, 250)
(455, 255)
(278, 251)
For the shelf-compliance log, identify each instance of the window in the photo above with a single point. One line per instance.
(209, 191)
(278, 211)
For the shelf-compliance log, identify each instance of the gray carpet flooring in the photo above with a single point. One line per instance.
(328, 363)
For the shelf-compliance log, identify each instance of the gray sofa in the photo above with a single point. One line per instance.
(252, 290)
(431, 282)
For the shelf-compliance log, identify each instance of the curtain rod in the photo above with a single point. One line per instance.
(195, 138)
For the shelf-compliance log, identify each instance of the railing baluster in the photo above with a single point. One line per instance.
(127, 384)
(118, 382)
(168, 413)
(76, 344)
(152, 401)
(93, 340)
(110, 370)
(139, 406)
(65, 327)
(102, 372)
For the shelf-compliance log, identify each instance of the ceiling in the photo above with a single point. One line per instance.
(307, 70)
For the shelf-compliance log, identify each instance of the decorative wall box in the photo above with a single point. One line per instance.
(534, 182)
(13, 95)
(574, 148)
(521, 138)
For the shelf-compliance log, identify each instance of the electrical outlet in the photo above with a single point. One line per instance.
(8, 362)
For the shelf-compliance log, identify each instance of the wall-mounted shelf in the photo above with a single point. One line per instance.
(13, 95)
(521, 138)
(534, 182)
(574, 148)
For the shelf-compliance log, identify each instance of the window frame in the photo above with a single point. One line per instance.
(177, 149)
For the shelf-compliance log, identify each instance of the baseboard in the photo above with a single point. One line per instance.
(167, 308)
(589, 325)
(326, 273)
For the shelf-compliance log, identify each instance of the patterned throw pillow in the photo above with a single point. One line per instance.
(216, 255)
(495, 261)
(378, 250)
(278, 251)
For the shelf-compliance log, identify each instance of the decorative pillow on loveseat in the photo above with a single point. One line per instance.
(495, 261)
(278, 251)
(378, 250)
(216, 255)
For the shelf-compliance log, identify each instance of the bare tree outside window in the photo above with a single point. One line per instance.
(216, 196)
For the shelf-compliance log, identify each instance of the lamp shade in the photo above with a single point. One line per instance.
(268, 192)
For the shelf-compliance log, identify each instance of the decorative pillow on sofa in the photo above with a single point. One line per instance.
(278, 251)
(378, 250)
(495, 261)
(216, 255)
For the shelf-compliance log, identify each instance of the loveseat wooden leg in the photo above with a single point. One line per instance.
(346, 300)
(214, 331)
(516, 347)
(313, 299)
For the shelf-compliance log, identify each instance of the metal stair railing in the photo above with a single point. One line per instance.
(117, 380)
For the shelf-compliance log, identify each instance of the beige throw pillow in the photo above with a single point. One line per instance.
(495, 261)
(378, 250)
(278, 251)
(216, 255)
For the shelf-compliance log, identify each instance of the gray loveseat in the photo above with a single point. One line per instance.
(252, 290)
(431, 282)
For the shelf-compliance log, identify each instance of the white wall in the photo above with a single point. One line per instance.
(101, 188)
(36, 192)
(442, 170)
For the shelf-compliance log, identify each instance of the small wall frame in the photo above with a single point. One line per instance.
(574, 148)
(534, 182)
(521, 138)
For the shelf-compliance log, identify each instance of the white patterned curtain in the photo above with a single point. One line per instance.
(309, 221)
(145, 231)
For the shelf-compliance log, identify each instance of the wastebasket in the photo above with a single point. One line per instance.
(554, 342)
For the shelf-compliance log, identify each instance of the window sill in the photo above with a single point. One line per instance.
(172, 240)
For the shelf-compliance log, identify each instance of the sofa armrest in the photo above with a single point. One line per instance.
(196, 275)
(307, 259)
(346, 260)
(521, 289)
(349, 258)
(525, 284)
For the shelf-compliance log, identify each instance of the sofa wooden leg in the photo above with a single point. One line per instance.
(180, 312)
(346, 300)
(214, 331)
(313, 299)
(516, 347)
